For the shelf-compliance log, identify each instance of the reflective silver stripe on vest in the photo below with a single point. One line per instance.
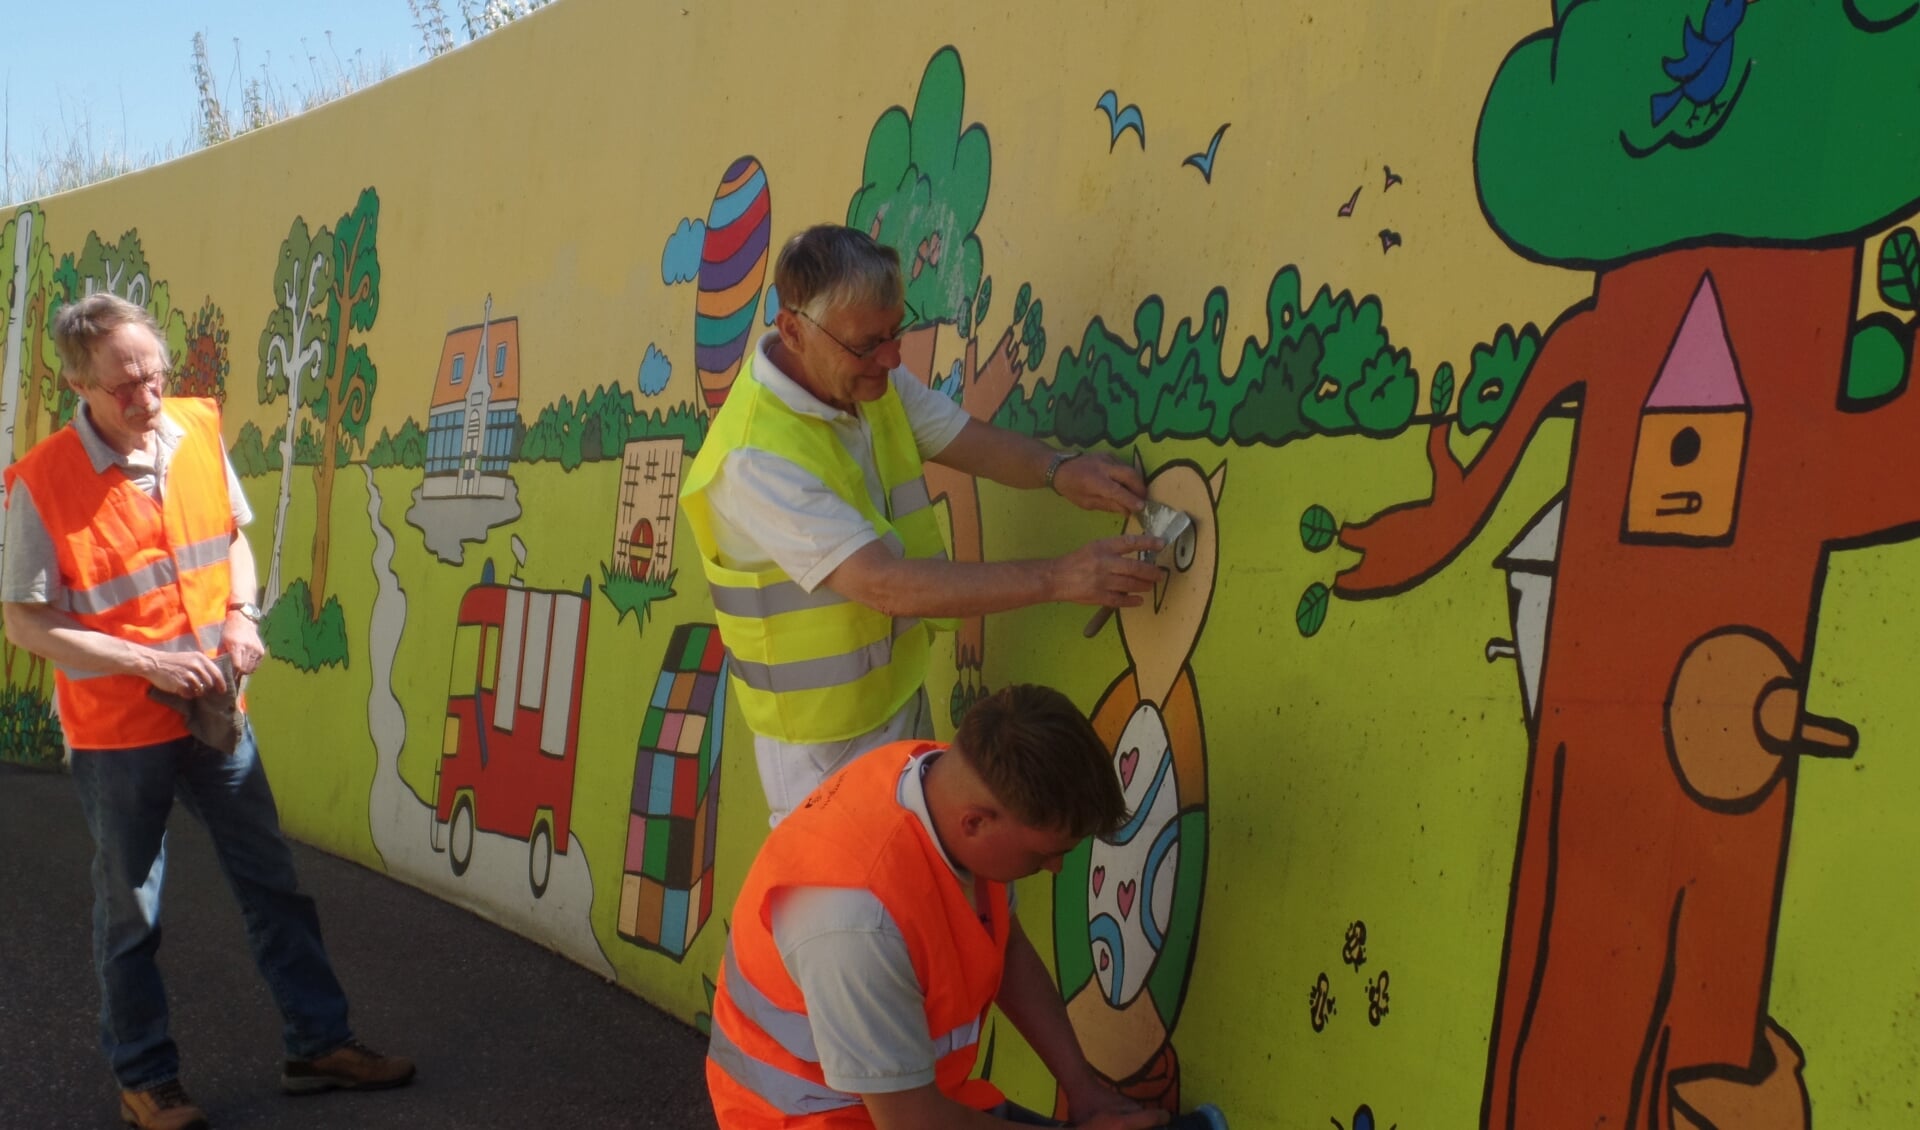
(786, 596)
(784, 1091)
(789, 1029)
(113, 593)
(965, 1036)
(206, 639)
(908, 497)
(826, 671)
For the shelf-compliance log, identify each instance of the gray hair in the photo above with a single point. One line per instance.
(827, 267)
(81, 326)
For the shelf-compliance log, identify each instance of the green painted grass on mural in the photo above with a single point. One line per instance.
(29, 733)
(630, 594)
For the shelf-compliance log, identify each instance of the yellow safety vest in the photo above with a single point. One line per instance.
(815, 666)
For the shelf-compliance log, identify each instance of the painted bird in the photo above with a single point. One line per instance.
(1121, 119)
(1204, 161)
(1706, 58)
(1389, 239)
(1347, 208)
(1393, 178)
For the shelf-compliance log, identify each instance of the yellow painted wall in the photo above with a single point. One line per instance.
(1372, 770)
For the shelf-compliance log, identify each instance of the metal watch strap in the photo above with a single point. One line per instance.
(1059, 460)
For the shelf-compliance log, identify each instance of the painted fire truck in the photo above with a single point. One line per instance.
(513, 722)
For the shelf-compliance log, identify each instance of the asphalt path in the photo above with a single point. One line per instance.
(507, 1034)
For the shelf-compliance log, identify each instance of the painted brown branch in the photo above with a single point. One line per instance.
(1408, 543)
(330, 438)
(984, 391)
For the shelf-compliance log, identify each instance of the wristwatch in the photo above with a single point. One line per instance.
(1060, 459)
(245, 608)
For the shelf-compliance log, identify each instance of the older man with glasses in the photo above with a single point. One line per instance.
(125, 566)
(819, 541)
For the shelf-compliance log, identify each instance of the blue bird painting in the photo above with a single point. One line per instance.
(1204, 161)
(1706, 58)
(1121, 119)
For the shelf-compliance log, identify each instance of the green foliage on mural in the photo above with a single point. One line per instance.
(1876, 361)
(1311, 614)
(601, 424)
(1440, 395)
(1590, 103)
(1318, 528)
(1900, 270)
(1030, 337)
(923, 190)
(1499, 368)
(1327, 368)
(29, 733)
(630, 594)
(292, 634)
(1880, 350)
(408, 449)
(249, 454)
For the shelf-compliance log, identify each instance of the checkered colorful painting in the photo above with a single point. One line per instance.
(666, 888)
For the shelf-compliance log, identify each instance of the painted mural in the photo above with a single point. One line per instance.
(1520, 741)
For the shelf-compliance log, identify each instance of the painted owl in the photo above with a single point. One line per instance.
(1127, 909)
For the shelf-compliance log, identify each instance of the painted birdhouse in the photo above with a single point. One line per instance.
(1691, 453)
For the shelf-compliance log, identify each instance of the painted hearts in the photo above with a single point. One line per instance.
(1129, 761)
(1099, 879)
(1124, 892)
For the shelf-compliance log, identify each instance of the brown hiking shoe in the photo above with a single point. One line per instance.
(353, 1066)
(165, 1107)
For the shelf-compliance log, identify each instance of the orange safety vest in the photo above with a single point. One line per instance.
(762, 1068)
(152, 573)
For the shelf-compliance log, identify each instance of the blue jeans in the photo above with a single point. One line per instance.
(126, 795)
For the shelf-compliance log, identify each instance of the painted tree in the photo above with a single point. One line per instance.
(23, 281)
(1717, 460)
(204, 362)
(293, 353)
(120, 269)
(344, 400)
(326, 288)
(924, 188)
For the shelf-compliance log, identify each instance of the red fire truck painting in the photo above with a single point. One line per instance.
(513, 721)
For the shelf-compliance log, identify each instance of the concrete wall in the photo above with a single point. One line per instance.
(1583, 795)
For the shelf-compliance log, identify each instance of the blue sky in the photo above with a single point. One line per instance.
(122, 69)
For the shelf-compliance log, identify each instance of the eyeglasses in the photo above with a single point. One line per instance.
(155, 383)
(912, 319)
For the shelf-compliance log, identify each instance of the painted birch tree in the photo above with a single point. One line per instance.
(293, 350)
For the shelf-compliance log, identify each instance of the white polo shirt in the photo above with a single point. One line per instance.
(769, 512)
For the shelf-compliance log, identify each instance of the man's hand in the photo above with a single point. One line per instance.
(241, 639)
(188, 674)
(1097, 481)
(1108, 571)
(1089, 1097)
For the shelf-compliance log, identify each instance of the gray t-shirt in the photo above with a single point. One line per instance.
(866, 1008)
(31, 573)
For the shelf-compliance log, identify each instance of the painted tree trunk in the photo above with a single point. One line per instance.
(16, 320)
(1644, 904)
(286, 483)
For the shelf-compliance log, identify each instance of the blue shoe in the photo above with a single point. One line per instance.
(1206, 1116)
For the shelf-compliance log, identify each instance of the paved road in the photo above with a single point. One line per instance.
(507, 1034)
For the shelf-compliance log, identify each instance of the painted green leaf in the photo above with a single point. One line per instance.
(1440, 398)
(1317, 528)
(1876, 362)
(1900, 270)
(1313, 609)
